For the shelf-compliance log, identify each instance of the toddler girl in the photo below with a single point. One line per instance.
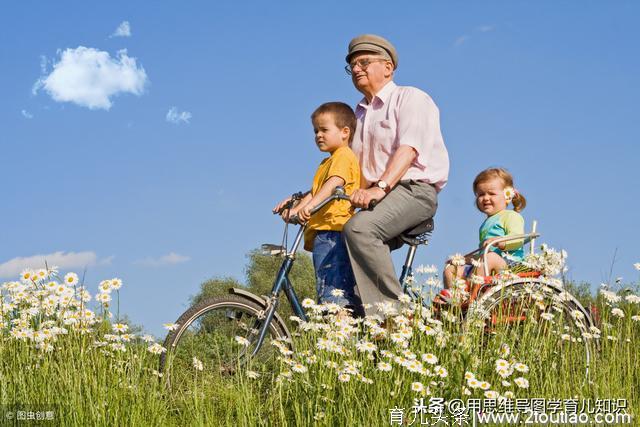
(494, 191)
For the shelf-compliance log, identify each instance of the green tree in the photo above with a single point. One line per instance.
(214, 287)
(260, 273)
(582, 292)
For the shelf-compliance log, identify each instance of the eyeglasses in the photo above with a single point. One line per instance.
(362, 63)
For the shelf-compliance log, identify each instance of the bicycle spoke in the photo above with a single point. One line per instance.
(216, 338)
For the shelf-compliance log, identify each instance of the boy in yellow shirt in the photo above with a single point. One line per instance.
(334, 124)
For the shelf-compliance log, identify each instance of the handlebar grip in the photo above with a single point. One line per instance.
(286, 206)
(372, 204)
(294, 220)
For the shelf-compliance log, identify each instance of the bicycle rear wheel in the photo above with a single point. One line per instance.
(539, 320)
(216, 337)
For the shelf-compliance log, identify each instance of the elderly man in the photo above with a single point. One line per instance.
(404, 165)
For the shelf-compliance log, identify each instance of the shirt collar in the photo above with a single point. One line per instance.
(381, 98)
(344, 147)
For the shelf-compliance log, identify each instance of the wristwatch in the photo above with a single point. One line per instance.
(383, 186)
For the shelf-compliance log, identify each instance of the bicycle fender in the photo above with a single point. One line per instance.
(261, 302)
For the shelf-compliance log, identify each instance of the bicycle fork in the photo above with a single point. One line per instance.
(282, 280)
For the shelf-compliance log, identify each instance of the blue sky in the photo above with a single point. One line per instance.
(161, 166)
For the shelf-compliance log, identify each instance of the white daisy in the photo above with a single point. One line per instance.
(521, 382)
(344, 378)
(71, 279)
(441, 371)
(384, 366)
(197, 364)
(430, 358)
(170, 326)
(120, 327)
(116, 283)
(457, 259)
(505, 350)
(242, 341)
(502, 364)
(491, 394)
(617, 313)
(252, 374)
(521, 367)
(156, 349)
(299, 368)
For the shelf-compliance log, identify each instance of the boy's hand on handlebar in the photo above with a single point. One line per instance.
(281, 206)
(362, 198)
(287, 214)
(304, 214)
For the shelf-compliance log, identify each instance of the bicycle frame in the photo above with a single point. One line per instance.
(282, 281)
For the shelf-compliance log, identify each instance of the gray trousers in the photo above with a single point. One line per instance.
(368, 235)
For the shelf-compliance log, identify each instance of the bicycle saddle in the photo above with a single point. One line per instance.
(419, 234)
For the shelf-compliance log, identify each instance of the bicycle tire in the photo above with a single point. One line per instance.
(207, 331)
(506, 306)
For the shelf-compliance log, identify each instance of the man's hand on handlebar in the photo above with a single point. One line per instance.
(362, 198)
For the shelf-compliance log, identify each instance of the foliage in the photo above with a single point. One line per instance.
(215, 286)
(262, 269)
(582, 291)
(260, 272)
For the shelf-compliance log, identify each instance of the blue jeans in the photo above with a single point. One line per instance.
(333, 269)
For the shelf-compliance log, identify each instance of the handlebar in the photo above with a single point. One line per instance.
(526, 238)
(338, 194)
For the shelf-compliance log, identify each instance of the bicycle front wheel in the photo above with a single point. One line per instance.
(216, 337)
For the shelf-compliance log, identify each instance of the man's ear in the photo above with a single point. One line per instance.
(388, 69)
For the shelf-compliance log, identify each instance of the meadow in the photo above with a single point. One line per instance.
(68, 358)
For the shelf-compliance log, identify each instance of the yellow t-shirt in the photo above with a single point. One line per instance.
(344, 164)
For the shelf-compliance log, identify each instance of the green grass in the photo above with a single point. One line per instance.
(87, 380)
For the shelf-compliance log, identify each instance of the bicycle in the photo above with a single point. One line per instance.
(225, 331)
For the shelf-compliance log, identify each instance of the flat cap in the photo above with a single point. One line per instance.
(373, 43)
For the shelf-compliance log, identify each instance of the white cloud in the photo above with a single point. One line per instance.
(62, 260)
(176, 117)
(169, 259)
(123, 30)
(90, 77)
(464, 38)
(43, 64)
(460, 40)
(26, 114)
